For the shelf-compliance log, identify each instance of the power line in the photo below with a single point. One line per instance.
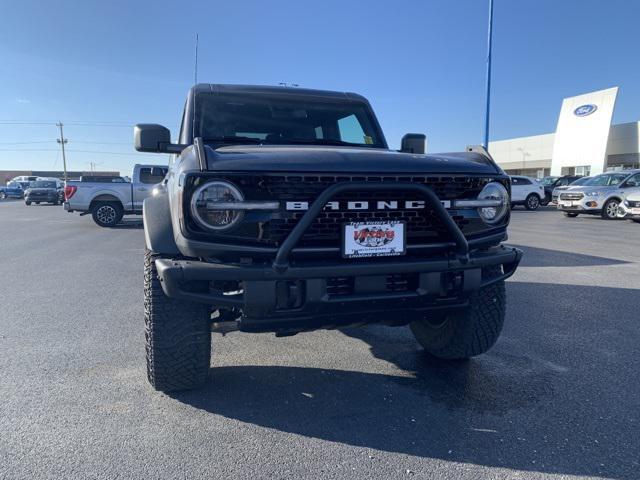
(75, 124)
(68, 150)
(53, 141)
(27, 143)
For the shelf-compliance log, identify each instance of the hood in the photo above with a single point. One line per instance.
(311, 158)
(594, 188)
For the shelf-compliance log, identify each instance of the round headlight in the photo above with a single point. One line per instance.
(206, 206)
(494, 191)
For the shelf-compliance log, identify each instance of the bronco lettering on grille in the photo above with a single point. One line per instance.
(365, 205)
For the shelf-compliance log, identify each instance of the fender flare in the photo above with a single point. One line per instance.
(158, 231)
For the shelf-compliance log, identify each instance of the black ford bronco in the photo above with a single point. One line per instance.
(285, 211)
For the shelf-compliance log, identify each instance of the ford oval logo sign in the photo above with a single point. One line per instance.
(584, 110)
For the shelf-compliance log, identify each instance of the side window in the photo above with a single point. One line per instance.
(146, 175)
(515, 181)
(633, 181)
(351, 130)
(524, 181)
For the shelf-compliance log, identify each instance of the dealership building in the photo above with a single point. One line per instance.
(585, 142)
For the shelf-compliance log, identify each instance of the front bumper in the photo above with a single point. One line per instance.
(300, 297)
(42, 198)
(584, 205)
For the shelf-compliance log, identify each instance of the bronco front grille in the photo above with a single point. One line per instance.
(422, 225)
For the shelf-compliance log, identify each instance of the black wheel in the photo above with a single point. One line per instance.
(610, 209)
(532, 202)
(28, 202)
(3, 195)
(177, 336)
(466, 333)
(570, 214)
(107, 214)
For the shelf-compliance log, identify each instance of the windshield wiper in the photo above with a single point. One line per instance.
(234, 139)
(320, 141)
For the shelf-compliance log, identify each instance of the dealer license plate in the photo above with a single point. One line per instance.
(635, 211)
(374, 239)
(567, 204)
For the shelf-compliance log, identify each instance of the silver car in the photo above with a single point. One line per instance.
(600, 195)
(558, 190)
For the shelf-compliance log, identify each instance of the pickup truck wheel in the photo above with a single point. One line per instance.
(27, 203)
(532, 202)
(107, 214)
(467, 333)
(610, 209)
(177, 336)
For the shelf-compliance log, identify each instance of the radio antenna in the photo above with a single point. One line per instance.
(195, 74)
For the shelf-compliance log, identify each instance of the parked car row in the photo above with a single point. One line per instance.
(34, 190)
(531, 193)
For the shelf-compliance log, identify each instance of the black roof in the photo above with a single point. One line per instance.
(273, 90)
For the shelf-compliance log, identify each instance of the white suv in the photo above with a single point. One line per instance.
(526, 191)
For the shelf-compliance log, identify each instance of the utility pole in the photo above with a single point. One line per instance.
(488, 95)
(62, 141)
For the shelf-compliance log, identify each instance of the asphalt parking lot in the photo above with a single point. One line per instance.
(557, 397)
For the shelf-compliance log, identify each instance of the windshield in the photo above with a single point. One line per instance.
(270, 119)
(606, 179)
(547, 180)
(580, 181)
(42, 184)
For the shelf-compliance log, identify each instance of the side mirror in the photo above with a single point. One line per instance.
(413, 143)
(150, 137)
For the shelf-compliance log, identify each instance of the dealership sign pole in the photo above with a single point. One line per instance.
(488, 95)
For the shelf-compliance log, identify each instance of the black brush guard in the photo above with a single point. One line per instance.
(286, 297)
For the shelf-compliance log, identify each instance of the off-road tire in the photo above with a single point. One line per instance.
(473, 331)
(177, 336)
(107, 214)
(570, 214)
(608, 208)
(532, 202)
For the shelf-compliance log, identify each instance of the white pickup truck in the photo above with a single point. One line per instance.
(107, 199)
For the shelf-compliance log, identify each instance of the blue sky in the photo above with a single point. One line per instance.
(420, 63)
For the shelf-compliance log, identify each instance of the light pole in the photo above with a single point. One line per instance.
(488, 92)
